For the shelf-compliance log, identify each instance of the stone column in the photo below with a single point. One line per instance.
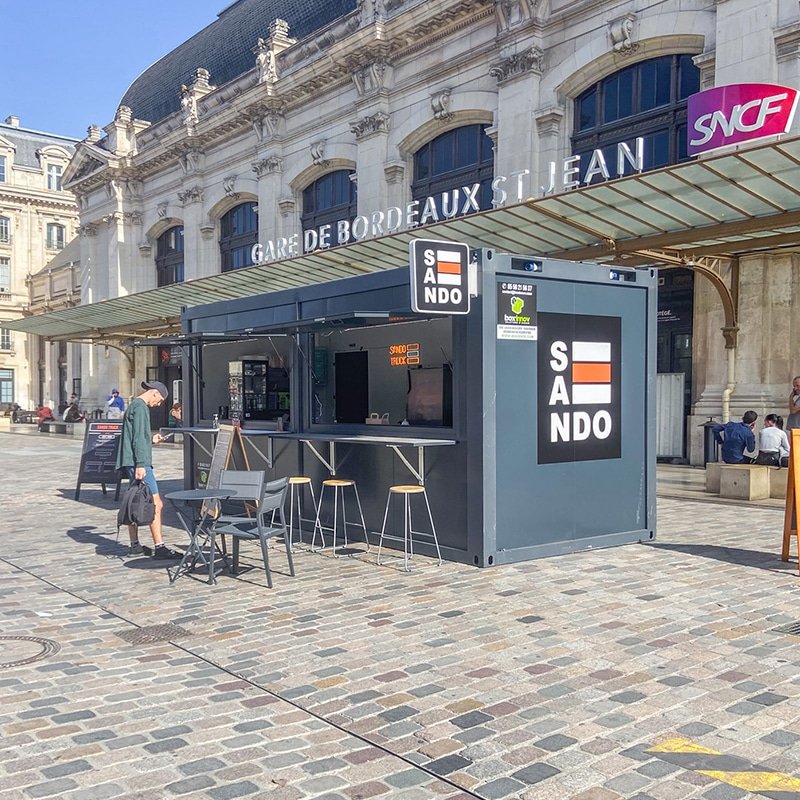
(271, 224)
(191, 199)
(518, 77)
(739, 20)
(372, 140)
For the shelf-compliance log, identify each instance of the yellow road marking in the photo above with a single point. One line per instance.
(681, 746)
(757, 781)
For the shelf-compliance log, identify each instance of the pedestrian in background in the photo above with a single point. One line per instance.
(736, 438)
(793, 420)
(115, 405)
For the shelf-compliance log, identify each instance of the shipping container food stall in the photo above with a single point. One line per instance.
(518, 389)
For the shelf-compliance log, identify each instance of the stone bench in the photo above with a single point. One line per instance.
(744, 481)
(778, 478)
(60, 427)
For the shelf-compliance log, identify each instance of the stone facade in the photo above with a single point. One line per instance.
(37, 219)
(366, 91)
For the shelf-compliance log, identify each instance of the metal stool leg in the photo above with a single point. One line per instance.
(292, 487)
(383, 527)
(433, 529)
(406, 530)
(344, 521)
(361, 514)
(318, 524)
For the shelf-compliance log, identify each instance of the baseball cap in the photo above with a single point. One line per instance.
(115, 391)
(158, 386)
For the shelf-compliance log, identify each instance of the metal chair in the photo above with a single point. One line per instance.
(262, 527)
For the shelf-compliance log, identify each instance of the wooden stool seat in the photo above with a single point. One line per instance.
(299, 479)
(338, 482)
(407, 489)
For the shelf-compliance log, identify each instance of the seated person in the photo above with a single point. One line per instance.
(73, 414)
(773, 444)
(737, 437)
(175, 416)
(43, 414)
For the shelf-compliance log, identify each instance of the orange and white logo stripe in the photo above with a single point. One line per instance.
(448, 267)
(591, 373)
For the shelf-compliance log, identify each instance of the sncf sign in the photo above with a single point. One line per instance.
(728, 115)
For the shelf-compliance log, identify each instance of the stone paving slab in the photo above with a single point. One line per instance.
(547, 679)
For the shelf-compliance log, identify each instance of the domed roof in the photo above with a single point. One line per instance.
(225, 49)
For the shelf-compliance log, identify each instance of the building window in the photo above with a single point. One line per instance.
(647, 99)
(238, 234)
(6, 385)
(5, 230)
(444, 166)
(327, 200)
(5, 274)
(55, 236)
(54, 177)
(169, 257)
(3, 165)
(6, 342)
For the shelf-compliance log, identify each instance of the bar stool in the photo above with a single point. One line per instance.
(338, 485)
(296, 486)
(408, 532)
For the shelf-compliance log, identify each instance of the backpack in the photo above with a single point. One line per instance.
(138, 506)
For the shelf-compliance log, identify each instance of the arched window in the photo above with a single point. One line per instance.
(445, 165)
(5, 230)
(329, 199)
(169, 257)
(647, 99)
(238, 234)
(55, 236)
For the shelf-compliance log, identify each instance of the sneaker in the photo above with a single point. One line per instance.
(135, 550)
(164, 553)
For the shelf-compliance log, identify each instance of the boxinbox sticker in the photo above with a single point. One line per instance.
(516, 311)
(439, 274)
(579, 390)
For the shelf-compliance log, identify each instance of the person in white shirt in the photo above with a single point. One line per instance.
(773, 444)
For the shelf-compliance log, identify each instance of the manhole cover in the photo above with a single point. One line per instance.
(792, 628)
(18, 650)
(151, 634)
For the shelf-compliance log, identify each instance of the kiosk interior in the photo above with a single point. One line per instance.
(539, 401)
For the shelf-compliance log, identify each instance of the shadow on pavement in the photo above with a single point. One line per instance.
(732, 555)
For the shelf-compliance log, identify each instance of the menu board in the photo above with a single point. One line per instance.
(99, 455)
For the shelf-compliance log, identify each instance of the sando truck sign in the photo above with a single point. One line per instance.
(741, 112)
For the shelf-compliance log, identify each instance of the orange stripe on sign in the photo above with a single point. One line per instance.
(591, 373)
(450, 267)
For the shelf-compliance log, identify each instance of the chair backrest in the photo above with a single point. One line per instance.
(274, 497)
(248, 484)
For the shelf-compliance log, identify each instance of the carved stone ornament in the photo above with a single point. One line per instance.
(440, 103)
(194, 194)
(271, 165)
(192, 162)
(161, 210)
(89, 229)
(124, 114)
(134, 217)
(228, 185)
(369, 78)
(620, 31)
(511, 13)
(207, 231)
(369, 126)
(266, 123)
(318, 153)
(145, 248)
(266, 70)
(394, 172)
(531, 60)
(112, 189)
(548, 121)
(93, 134)
(189, 116)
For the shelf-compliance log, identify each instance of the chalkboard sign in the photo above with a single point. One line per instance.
(99, 456)
(228, 453)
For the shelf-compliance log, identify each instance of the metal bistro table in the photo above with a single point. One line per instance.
(201, 527)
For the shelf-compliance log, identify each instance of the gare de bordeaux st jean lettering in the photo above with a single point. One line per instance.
(511, 188)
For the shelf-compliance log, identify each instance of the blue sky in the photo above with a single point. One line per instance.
(66, 65)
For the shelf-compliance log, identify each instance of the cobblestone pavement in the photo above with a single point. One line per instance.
(550, 679)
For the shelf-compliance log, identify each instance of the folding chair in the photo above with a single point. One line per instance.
(262, 527)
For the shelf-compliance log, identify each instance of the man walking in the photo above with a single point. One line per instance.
(135, 456)
(736, 437)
